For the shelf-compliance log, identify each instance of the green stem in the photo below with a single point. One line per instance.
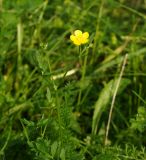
(99, 16)
(58, 107)
(6, 143)
(83, 72)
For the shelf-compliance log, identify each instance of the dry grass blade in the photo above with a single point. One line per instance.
(114, 97)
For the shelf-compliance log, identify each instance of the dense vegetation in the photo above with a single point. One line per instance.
(59, 101)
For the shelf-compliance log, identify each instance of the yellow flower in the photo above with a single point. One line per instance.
(79, 38)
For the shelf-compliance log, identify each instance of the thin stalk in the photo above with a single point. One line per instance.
(1, 5)
(83, 73)
(6, 142)
(19, 43)
(113, 99)
(97, 31)
(58, 107)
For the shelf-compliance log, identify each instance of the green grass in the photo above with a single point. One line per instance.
(59, 104)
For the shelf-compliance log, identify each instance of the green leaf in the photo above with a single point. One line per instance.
(62, 154)
(54, 148)
(48, 95)
(105, 98)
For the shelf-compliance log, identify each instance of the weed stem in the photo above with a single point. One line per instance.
(113, 99)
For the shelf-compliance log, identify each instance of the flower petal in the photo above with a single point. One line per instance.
(84, 41)
(85, 35)
(78, 33)
(78, 43)
(75, 40)
(72, 37)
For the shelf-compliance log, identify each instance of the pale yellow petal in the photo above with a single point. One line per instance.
(78, 33)
(77, 42)
(84, 41)
(85, 35)
(72, 37)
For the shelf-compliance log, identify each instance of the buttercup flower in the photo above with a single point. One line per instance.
(79, 38)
